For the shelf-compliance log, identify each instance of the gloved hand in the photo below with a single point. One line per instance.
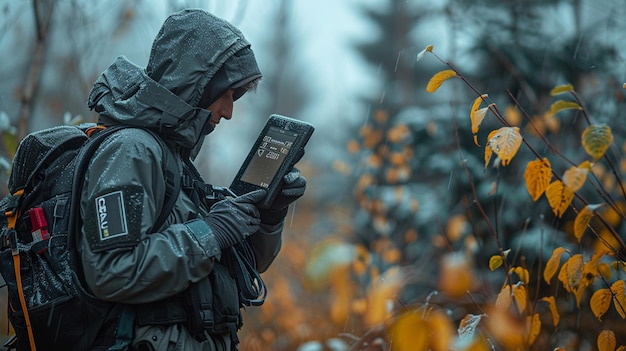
(292, 189)
(233, 220)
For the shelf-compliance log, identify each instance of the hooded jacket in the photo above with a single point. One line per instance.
(195, 58)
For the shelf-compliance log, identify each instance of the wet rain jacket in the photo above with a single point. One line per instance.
(195, 57)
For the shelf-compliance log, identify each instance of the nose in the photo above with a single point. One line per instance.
(227, 112)
(222, 107)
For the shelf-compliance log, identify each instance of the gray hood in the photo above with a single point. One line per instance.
(195, 58)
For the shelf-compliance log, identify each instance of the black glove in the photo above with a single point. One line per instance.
(233, 220)
(293, 188)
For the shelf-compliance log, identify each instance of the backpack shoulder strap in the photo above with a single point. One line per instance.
(80, 167)
(170, 166)
(172, 173)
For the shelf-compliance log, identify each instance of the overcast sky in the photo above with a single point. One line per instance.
(325, 30)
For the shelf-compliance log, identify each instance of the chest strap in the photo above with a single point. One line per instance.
(163, 312)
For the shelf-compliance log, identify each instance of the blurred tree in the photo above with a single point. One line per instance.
(284, 91)
(401, 152)
(410, 186)
(392, 50)
(398, 155)
(53, 49)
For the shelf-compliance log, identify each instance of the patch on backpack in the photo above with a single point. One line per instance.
(114, 219)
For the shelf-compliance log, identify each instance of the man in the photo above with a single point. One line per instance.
(198, 66)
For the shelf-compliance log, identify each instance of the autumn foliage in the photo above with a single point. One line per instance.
(592, 276)
(469, 287)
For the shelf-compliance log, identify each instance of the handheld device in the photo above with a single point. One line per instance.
(277, 149)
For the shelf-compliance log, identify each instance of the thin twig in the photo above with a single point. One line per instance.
(32, 79)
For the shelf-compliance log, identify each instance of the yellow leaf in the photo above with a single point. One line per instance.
(571, 273)
(421, 54)
(582, 220)
(475, 105)
(619, 297)
(505, 143)
(512, 293)
(586, 165)
(343, 294)
(604, 269)
(495, 262)
(522, 273)
(596, 140)
(580, 289)
(613, 216)
(504, 298)
(566, 88)
(488, 150)
(409, 332)
(552, 305)
(506, 329)
(537, 176)
(512, 115)
(592, 269)
(441, 331)
(621, 348)
(553, 264)
(456, 275)
(600, 302)
(533, 325)
(575, 177)
(520, 297)
(438, 79)
(606, 341)
(478, 116)
(379, 293)
(559, 197)
(561, 105)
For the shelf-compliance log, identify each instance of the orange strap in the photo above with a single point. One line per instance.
(12, 214)
(18, 277)
(12, 219)
(93, 129)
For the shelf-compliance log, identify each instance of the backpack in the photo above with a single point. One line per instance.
(48, 305)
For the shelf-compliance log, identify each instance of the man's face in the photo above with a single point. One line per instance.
(221, 108)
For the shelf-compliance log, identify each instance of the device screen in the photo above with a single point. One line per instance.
(269, 156)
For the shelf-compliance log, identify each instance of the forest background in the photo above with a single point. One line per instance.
(409, 236)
